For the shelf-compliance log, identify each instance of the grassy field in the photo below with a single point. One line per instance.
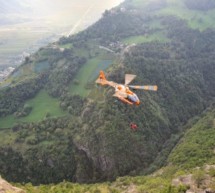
(42, 104)
(68, 46)
(196, 19)
(41, 66)
(81, 52)
(147, 38)
(29, 70)
(87, 74)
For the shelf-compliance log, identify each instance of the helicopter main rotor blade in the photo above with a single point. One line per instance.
(146, 87)
(129, 78)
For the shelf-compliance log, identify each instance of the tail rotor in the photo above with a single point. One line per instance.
(101, 79)
(146, 87)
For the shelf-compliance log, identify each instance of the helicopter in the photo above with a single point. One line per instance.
(122, 91)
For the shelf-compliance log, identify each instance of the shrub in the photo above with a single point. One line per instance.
(198, 176)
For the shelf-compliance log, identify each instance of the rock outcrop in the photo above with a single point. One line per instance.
(5, 187)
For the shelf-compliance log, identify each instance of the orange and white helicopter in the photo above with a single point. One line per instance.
(122, 91)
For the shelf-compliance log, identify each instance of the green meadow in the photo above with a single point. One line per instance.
(87, 75)
(196, 19)
(41, 105)
(158, 36)
(68, 46)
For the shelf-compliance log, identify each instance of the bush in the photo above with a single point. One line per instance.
(198, 176)
(212, 172)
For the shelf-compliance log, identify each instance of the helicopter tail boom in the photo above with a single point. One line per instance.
(102, 79)
(147, 87)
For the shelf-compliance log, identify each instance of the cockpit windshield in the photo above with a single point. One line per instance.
(133, 98)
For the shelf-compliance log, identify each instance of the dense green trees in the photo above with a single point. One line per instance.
(114, 26)
(54, 79)
(196, 148)
(11, 161)
(12, 98)
(60, 76)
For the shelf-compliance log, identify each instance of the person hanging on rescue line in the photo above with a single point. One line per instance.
(133, 126)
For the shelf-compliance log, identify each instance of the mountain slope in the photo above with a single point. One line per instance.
(178, 176)
(197, 146)
(91, 139)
